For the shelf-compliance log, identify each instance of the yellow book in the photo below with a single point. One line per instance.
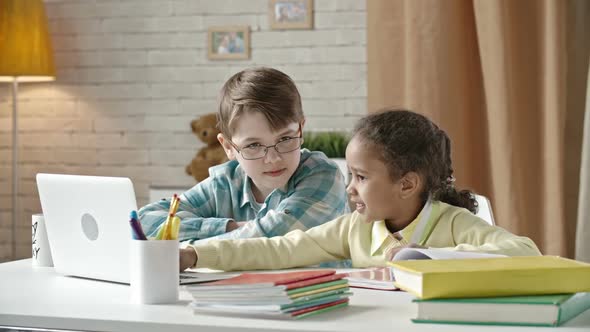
(487, 277)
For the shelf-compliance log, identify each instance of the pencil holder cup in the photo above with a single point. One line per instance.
(154, 274)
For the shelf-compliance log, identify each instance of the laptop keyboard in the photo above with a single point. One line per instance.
(192, 277)
(188, 276)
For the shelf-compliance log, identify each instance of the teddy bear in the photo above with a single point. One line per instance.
(212, 154)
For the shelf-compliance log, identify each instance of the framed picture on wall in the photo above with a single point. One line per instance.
(228, 42)
(291, 14)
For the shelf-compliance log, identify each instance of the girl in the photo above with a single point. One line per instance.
(403, 188)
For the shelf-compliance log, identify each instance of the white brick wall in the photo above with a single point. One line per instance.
(132, 74)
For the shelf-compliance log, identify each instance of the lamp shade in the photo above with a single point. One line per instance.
(25, 47)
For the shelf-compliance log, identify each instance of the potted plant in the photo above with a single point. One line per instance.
(332, 144)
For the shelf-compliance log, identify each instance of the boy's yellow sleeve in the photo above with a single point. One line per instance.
(327, 242)
(470, 233)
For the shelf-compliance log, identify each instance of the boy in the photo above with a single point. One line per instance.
(270, 186)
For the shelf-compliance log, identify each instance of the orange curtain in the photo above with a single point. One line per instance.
(506, 80)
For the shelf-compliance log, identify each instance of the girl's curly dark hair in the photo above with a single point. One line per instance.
(410, 142)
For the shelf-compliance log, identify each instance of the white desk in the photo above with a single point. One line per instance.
(40, 298)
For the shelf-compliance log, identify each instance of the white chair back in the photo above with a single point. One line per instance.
(485, 209)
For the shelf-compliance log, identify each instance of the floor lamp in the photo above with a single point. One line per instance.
(25, 56)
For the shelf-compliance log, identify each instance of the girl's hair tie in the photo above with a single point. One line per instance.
(450, 181)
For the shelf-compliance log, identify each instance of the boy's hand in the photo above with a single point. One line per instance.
(188, 258)
(234, 225)
(389, 255)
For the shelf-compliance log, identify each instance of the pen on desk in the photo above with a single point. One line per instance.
(136, 230)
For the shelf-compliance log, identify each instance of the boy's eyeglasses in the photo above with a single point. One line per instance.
(258, 151)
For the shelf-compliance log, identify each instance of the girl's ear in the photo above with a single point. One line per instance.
(411, 185)
(229, 151)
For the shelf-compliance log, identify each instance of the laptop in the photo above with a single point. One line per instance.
(87, 222)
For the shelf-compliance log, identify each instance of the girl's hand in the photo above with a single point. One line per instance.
(188, 258)
(389, 255)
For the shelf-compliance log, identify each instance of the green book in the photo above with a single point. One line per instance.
(317, 288)
(322, 310)
(535, 310)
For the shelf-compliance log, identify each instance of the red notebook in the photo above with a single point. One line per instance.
(301, 312)
(289, 280)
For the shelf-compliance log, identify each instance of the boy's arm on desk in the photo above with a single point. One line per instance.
(197, 211)
(316, 199)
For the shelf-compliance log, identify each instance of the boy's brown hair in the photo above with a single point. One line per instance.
(265, 90)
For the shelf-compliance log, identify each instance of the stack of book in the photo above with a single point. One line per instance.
(536, 290)
(280, 295)
(381, 278)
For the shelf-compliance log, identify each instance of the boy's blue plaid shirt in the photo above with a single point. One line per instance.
(315, 194)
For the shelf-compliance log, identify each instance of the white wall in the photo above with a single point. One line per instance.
(132, 75)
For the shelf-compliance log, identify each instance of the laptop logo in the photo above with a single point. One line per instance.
(89, 227)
